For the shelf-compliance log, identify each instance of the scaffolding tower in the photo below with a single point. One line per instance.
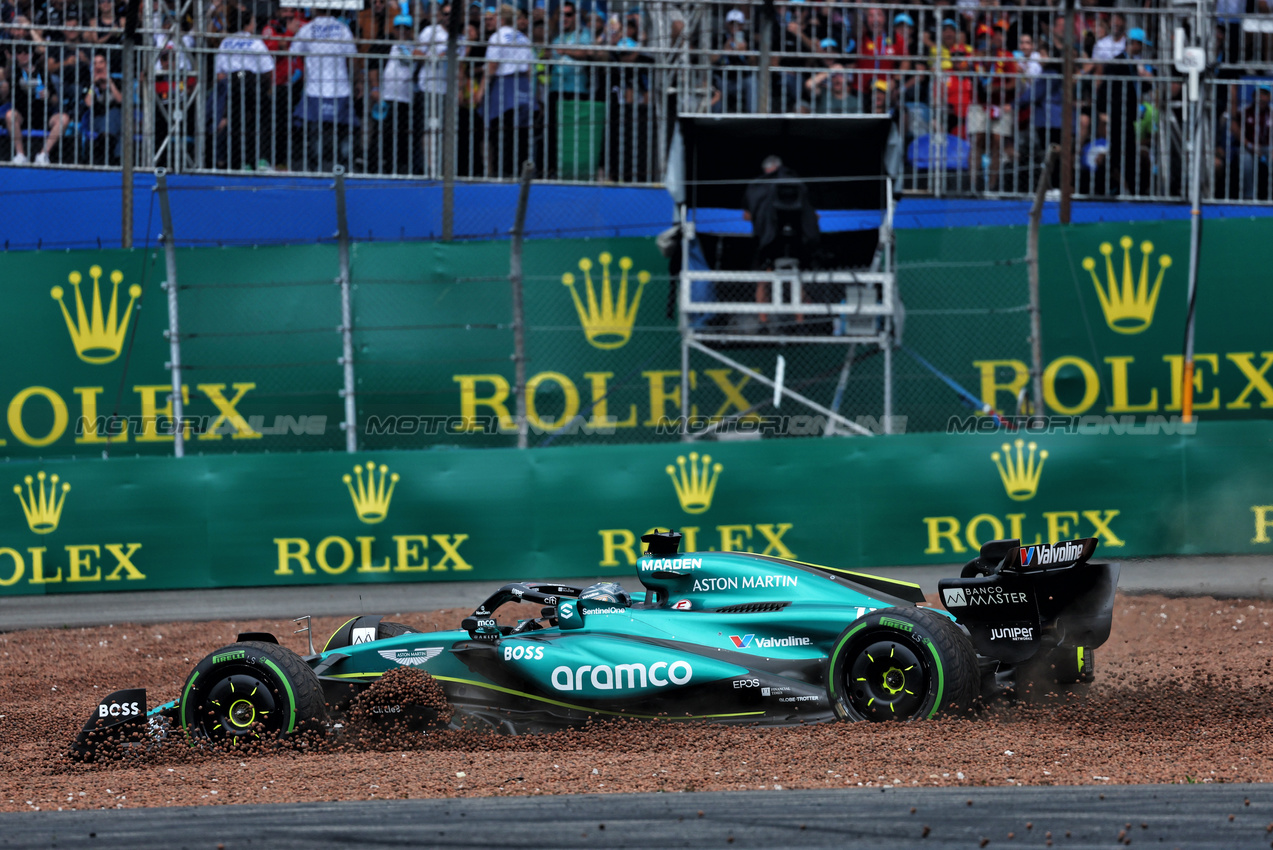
(847, 295)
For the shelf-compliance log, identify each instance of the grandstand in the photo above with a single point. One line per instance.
(590, 91)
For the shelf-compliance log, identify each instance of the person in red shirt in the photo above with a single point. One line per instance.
(910, 89)
(289, 73)
(990, 123)
(952, 55)
(876, 52)
(278, 35)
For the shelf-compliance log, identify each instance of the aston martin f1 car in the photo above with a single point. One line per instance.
(729, 637)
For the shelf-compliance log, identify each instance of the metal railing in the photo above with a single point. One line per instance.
(590, 97)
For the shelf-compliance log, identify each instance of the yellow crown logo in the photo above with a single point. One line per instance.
(42, 507)
(695, 486)
(371, 499)
(97, 339)
(1020, 476)
(607, 323)
(1129, 306)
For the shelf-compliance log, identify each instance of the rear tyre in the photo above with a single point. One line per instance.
(249, 691)
(902, 664)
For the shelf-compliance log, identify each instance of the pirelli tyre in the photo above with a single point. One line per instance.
(250, 691)
(902, 664)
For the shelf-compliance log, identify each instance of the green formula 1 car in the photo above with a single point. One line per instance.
(722, 636)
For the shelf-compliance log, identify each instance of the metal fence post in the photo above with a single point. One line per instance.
(682, 283)
(150, 105)
(450, 122)
(1067, 113)
(1195, 103)
(685, 374)
(938, 132)
(1032, 268)
(889, 335)
(887, 347)
(519, 319)
(346, 317)
(128, 124)
(206, 78)
(174, 328)
(764, 80)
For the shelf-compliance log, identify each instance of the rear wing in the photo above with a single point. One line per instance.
(1016, 600)
(1010, 555)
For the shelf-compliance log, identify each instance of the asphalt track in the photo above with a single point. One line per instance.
(1218, 576)
(1198, 816)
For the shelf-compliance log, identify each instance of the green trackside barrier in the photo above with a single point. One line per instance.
(327, 518)
(433, 344)
(1113, 302)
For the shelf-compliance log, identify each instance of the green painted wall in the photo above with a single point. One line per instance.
(432, 339)
(280, 519)
(1113, 334)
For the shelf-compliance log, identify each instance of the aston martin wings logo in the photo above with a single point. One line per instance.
(411, 657)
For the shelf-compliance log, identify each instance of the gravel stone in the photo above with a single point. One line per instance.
(1171, 671)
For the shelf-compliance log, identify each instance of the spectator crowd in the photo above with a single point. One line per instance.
(585, 89)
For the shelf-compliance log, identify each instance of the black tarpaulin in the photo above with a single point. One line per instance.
(840, 158)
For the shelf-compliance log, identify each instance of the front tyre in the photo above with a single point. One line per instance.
(248, 691)
(902, 664)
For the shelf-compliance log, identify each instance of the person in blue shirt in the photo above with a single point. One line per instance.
(569, 80)
(1042, 103)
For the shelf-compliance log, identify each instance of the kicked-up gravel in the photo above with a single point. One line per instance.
(1184, 693)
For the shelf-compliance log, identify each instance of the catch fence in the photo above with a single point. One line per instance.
(348, 345)
(591, 96)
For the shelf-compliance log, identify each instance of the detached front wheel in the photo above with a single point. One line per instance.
(248, 691)
(902, 664)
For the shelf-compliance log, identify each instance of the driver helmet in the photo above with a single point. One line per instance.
(606, 592)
